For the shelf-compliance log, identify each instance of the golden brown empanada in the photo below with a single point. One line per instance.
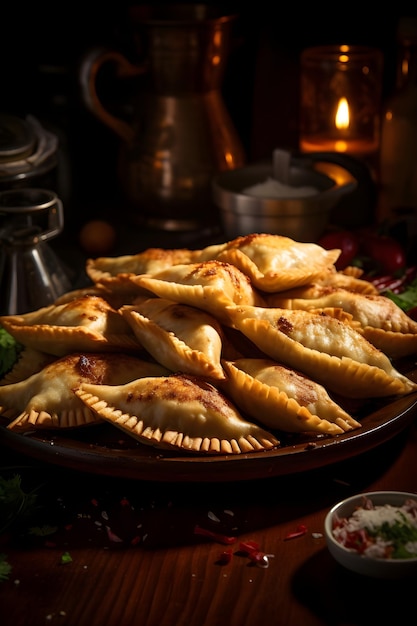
(115, 272)
(182, 338)
(46, 399)
(29, 362)
(284, 399)
(381, 320)
(115, 298)
(210, 286)
(324, 348)
(88, 323)
(275, 262)
(347, 279)
(177, 412)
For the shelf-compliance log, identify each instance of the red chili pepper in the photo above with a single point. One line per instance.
(299, 532)
(135, 540)
(257, 556)
(385, 283)
(225, 557)
(249, 546)
(251, 549)
(198, 530)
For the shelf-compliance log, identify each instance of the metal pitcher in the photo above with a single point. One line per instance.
(31, 276)
(178, 132)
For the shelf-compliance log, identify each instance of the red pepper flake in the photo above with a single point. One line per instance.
(112, 536)
(249, 546)
(252, 551)
(135, 541)
(124, 502)
(299, 532)
(198, 530)
(225, 557)
(94, 502)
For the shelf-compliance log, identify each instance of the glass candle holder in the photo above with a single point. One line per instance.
(340, 100)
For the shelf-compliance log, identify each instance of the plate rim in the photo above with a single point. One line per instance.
(160, 465)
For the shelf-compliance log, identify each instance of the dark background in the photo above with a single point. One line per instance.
(41, 48)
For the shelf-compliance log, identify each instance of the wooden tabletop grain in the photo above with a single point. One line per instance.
(125, 552)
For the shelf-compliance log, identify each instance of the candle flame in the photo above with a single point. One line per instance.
(342, 119)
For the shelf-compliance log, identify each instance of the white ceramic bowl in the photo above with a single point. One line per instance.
(361, 564)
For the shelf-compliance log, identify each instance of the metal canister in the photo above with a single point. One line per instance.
(28, 153)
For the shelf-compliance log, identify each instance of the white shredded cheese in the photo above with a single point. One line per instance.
(368, 530)
(374, 518)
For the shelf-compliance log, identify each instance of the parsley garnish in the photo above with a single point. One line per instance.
(5, 567)
(399, 534)
(9, 351)
(15, 504)
(407, 299)
(66, 558)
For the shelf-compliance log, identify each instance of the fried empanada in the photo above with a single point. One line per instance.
(324, 348)
(29, 362)
(347, 279)
(275, 262)
(381, 320)
(210, 286)
(46, 399)
(177, 412)
(284, 399)
(182, 338)
(115, 299)
(88, 323)
(115, 272)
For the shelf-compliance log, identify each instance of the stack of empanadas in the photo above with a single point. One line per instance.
(220, 350)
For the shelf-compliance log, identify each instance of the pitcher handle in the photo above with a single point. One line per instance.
(90, 66)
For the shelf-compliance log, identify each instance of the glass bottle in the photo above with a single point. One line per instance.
(398, 155)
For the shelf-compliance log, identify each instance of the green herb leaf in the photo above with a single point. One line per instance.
(5, 568)
(9, 351)
(407, 299)
(66, 558)
(14, 502)
(42, 531)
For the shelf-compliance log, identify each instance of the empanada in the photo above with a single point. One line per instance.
(183, 338)
(324, 348)
(115, 298)
(275, 262)
(88, 323)
(115, 272)
(210, 286)
(177, 412)
(381, 320)
(46, 399)
(29, 362)
(347, 279)
(284, 399)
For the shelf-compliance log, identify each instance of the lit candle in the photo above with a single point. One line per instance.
(340, 96)
(341, 138)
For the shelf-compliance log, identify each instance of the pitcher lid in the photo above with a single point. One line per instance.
(17, 139)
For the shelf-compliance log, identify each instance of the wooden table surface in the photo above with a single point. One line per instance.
(135, 558)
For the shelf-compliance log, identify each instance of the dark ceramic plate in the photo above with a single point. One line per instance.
(107, 451)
